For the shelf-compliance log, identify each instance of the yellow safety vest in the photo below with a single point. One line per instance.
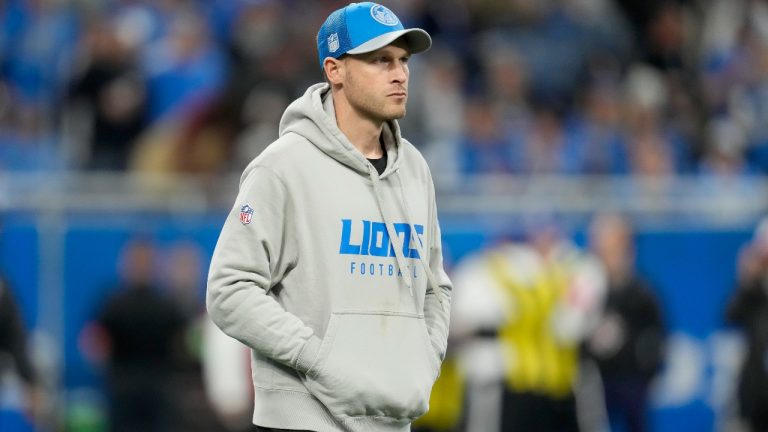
(535, 361)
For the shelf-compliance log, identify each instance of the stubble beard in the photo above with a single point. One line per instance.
(378, 110)
(373, 107)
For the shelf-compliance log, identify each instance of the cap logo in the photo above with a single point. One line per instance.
(384, 15)
(333, 42)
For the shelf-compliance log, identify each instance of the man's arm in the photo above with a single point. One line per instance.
(253, 253)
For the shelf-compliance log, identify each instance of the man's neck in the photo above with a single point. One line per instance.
(362, 132)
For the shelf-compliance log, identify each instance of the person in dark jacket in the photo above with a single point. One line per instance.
(14, 357)
(628, 344)
(13, 337)
(138, 332)
(748, 308)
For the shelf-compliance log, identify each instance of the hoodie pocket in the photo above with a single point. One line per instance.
(374, 364)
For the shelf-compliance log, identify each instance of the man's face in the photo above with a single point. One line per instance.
(376, 83)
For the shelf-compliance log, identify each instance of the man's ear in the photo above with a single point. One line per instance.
(333, 69)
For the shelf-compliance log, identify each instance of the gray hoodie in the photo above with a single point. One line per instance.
(333, 276)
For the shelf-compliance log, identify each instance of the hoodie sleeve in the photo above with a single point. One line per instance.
(437, 311)
(253, 253)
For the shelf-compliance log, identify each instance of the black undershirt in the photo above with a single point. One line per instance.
(380, 164)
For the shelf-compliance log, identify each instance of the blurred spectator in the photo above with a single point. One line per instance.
(185, 286)
(553, 39)
(109, 97)
(439, 120)
(484, 148)
(183, 277)
(200, 143)
(184, 68)
(258, 38)
(599, 144)
(204, 143)
(261, 113)
(655, 148)
(15, 363)
(28, 143)
(748, 309)
(138, 332)
(506, 80)
(523, 311)
(723, 169)
(667, 35)
(37, 38)
(628, 343)
(541, 148)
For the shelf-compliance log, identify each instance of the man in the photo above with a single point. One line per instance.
(628, 344)
(138, 333)
(524, 309)
(748, 309)
(329, 266)
(14, 356)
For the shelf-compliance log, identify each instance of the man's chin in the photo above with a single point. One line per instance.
(396, 115)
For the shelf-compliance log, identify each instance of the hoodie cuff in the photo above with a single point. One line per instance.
(308, 354)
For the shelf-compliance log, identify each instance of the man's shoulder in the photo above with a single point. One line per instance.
(283, 152)
(287, 147)
(410, 150)
(413, 157)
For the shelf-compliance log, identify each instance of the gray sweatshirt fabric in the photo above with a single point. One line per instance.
(332, 274)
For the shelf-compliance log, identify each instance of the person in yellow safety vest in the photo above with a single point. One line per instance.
(522, 311)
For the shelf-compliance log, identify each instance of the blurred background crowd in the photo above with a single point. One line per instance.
(581, 302)
(556, 87)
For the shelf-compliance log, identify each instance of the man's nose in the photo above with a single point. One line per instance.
(400, 72)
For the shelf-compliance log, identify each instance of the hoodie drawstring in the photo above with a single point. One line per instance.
(390, 228)
(433, 285)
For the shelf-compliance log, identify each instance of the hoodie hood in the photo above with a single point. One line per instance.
(313, 117)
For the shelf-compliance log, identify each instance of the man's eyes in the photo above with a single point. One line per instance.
(384, 59)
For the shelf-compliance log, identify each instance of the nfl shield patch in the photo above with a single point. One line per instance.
(246, 214)
(333, 42)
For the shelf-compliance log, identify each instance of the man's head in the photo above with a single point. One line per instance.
(363, 50)
(611, 239)
(360, 28)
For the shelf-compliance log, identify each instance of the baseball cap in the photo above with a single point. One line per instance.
(364, 27)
